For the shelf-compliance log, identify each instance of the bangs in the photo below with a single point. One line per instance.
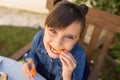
(63, 15)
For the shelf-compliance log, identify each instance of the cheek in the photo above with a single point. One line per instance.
(69, 46)
(47, 38)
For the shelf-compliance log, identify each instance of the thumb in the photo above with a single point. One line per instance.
(33, 65)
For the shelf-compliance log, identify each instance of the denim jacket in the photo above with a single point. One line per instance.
(51, 68)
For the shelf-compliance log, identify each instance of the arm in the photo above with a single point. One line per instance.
(80, 69)
(32, 53)
(31, 58)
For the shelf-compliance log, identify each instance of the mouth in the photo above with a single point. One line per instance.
(56, 51)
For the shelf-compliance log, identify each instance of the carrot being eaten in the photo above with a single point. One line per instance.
(59, 51)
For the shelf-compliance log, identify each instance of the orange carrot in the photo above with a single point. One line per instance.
(59, 51)
(33, 71)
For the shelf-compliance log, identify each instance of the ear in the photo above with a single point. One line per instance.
(56, 1)
(83, 8)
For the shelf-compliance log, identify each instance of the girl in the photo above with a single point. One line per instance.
(55, 53)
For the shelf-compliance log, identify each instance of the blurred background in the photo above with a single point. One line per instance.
(20, 20)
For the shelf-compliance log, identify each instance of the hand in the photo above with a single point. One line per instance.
(26, 69)
(68, 65)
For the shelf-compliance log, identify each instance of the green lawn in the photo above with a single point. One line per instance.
(14, 38)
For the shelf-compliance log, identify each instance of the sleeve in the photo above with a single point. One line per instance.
(86, 71)
(79, 71)
(59, 76)
(32, 53)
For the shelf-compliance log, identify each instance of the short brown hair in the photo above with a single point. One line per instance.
(64, 13)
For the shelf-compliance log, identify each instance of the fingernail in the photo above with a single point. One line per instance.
(32, 78)
(30, 74)
(65, 51)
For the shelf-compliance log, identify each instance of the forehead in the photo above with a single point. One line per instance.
(74, 28)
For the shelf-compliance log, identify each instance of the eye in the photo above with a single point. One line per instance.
(53, 31)
(69, 37)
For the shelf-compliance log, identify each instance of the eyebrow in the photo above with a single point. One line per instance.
(75, 36)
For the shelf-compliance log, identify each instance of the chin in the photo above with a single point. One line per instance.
(51, 54)
(54, 57)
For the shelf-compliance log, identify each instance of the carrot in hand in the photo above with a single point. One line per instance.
(33, 71)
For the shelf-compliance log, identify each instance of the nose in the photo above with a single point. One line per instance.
(58, 43)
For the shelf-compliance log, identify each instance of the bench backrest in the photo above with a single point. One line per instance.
(103, 23)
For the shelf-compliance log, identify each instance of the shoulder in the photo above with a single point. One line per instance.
(39, 34)
(38, 38)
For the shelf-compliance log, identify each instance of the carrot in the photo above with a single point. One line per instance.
(33, 71)
(59, 51)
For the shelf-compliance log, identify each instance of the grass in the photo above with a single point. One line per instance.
(14, 38)
(109, 71)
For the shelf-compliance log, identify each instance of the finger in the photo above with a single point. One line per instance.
(24, 70)
(32, 71)
(72, 58)
(69, 55)
(33, 65)
(69, 61)
(63, 61)
(66, 61)
(28, 70)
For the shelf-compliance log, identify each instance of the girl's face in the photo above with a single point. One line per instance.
(56, 40)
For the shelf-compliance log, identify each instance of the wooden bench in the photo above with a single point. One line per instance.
(101, 21)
